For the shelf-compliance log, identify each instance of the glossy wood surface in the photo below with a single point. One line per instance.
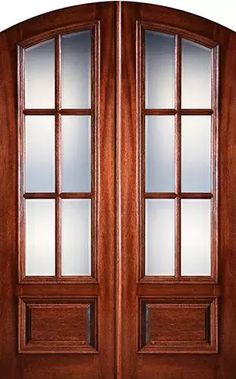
(80, 340)
(132, 318)
(149, 362)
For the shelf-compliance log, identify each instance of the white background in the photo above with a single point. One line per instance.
(14, 11)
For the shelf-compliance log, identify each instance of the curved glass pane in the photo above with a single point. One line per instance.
(159, 70)
(40, 75)
(196, 75)
(76, 70)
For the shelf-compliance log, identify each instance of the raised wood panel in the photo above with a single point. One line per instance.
(50, 325)
(181, 325)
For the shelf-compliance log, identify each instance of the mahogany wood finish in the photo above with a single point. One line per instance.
(118, 323)
(66, 325)
(139, 361)
(169, 325)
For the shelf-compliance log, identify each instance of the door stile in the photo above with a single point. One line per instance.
(118, 198)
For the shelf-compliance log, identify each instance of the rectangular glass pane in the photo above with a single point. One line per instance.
(160, 237)
(196, 237)
(40, 237)
(160, 153)
(40, 153)
(76, 237)
(76, 154)
(159, 70)
(196, 75)
(40, 75)
(196, 153)
(76, 70)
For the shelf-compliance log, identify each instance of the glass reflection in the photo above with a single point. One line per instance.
(40, 237)
(196, 153)
(160, 237)
(196, 237)
(40, 153)
(196, 75)
(76, 154)
(76, 237)
(76, 70)
(160, 153)
(159, 69)
(39, 75)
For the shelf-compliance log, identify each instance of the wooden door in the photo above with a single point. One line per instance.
(117, 195)
(177, 213)
(57, 315)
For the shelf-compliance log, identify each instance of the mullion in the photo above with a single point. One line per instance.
(62, 111)
(178, 156)
(58, 154)
(177, 110)
(182, 195)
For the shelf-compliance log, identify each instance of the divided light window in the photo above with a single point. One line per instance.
(57, 185)
(179, 142)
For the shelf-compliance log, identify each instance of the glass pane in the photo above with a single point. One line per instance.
(40, 76)
(76, 70)
(196, 237)
(196, 153)
(196, 75)
(40, 153)
(40, 237)
(76, 154)
(159, 70)
(160, 237)
(160, 153)
(76, 237)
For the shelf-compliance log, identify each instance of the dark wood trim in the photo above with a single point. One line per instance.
(183, 33)
(181, 195)
(177, 110)
(53, 32)
(118, 197)
(62, 111)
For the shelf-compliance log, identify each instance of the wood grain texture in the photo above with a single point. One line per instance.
(57, 325)
(58, 366)
(178, 325)
(176, 366)
(118, 289)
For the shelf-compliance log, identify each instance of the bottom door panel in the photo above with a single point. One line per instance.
(60, 325)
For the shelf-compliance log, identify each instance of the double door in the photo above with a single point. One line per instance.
(117, 195)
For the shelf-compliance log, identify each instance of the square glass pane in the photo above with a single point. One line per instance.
(160, 237)
(76, 154)
(159, 70)
(40, 75)
(196, 75)
(76, 237)
(196, 237)
(40, 153)
(76, 70)
(160, 153)
(196, 154)
(40, 237)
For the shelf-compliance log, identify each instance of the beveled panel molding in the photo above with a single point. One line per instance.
(178, 325)
(57, 325)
